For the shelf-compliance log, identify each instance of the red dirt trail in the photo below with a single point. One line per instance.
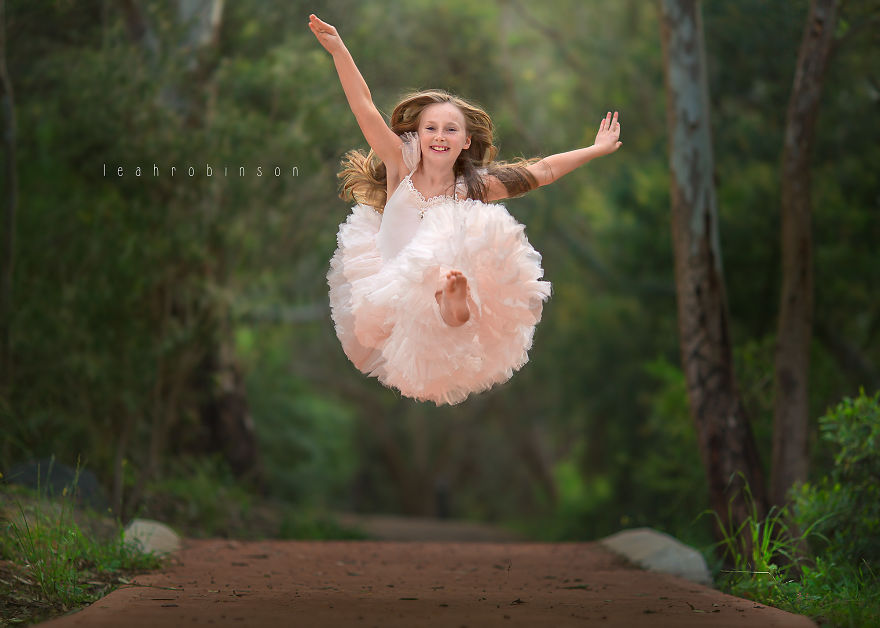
(414, 584)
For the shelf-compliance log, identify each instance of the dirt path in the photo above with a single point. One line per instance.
(392, 583)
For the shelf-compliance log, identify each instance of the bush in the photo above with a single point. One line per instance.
(836, 518)
(846, 503)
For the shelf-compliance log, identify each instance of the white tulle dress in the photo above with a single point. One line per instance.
(388, 267)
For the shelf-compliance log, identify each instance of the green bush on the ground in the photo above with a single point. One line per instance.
(846, 503)
(821, 557)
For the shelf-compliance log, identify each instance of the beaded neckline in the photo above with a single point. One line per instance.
(426, 201)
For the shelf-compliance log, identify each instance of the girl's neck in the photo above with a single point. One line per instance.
(434, 178)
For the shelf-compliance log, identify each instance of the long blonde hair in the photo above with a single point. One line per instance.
(364, 178)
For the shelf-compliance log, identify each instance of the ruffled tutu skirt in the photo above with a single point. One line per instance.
(387, 317)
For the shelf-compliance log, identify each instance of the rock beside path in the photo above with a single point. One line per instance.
(656, 551)
(151, 536)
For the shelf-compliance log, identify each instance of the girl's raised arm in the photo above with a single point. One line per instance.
(551, 168)
(384, 142)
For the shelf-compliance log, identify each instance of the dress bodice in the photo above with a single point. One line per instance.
(403, 213)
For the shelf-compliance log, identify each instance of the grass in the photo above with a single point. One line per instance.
(773, 566)
(55, 558)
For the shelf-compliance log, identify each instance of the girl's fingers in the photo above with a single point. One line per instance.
(610, 123)
(316, 22)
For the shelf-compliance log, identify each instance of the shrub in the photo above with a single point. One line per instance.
(846, 503)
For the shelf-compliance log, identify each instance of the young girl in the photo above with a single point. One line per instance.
(434, 289)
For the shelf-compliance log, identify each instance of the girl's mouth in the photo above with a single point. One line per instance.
(440, 149)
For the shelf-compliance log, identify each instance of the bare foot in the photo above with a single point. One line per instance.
(453, 300)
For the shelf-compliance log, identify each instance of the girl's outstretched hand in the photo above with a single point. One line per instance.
(326, 34)
(608, 137)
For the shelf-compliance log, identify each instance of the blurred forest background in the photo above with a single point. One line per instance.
(173, 333)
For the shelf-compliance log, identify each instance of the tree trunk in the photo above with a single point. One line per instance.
(727, 446)
(10, 177)
(215, 375)
(530, 445)
(226, 414)
(792, 367)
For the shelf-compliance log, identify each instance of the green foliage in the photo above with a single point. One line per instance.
(307, 440)
(316, 525)
(670, 474)
(760, 546)
(820, 558)
(201, 498)
(854, 428)
(843, 596)
(847, 502)
(63, 550)
(580, 501)
(773, 572)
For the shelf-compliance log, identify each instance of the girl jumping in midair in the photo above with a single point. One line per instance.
(434, 289)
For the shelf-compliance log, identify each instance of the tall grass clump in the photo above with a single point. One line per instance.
(69, 565)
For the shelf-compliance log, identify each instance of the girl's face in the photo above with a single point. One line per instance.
(442, 133)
